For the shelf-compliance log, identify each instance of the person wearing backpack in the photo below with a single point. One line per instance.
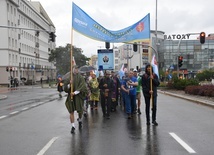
(148, 93)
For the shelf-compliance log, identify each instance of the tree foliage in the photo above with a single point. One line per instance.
(61, 56)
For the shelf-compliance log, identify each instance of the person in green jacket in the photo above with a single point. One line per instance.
(75, 99)
(138, 96)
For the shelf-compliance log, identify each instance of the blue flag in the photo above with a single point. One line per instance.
(84, 24)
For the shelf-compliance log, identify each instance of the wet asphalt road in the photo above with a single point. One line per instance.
(44, 128)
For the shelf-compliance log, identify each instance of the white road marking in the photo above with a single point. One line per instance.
(47, 146)
(180, 141)
(34, 105)
(3, 116)
(14, 112)
(25, 109)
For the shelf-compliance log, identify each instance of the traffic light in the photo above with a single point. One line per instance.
(202, 37)
(135, 47)
(52, 36)
(7, 69)
(107, 45)
(180, 61)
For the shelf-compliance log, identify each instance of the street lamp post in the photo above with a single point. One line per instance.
(127, 56)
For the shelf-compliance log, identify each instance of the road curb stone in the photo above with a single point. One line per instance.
(189, 98)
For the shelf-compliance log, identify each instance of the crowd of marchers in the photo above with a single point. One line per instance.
(109, 92)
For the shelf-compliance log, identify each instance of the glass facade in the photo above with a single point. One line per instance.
(196, 56)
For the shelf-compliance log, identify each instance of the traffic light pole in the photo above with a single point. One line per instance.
(178, 47)
(177, 57)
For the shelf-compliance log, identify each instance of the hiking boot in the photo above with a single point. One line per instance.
(139, 112)
(148, 123)
(80, 125)
(155, 123)
(107, 116)
(72, 130)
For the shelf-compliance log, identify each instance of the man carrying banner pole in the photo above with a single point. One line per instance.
(76, 88)
(150, 83)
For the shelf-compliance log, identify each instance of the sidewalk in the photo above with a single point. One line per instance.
(194, 98)
(4, 90)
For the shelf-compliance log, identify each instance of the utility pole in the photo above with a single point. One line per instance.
(127, 56)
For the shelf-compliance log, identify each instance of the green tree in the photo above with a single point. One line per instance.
(62, 58)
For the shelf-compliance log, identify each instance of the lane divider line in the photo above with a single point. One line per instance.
(47, 146)
(182, 143)
(1, 117)
(12, 113)
(26, 108)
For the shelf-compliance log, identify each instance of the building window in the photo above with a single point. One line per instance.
(8, 8)
(9, 41)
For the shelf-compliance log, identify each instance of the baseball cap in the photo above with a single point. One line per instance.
(135, 70)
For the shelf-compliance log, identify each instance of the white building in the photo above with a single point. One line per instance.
(138, 59)
(25, 44)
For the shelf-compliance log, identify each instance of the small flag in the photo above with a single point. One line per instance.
(155, 65)
(74, 62)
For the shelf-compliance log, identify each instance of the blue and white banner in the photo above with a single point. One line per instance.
(84, 24)
(105, 59)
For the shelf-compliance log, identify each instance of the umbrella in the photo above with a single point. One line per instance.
(85, 69)
(66, 76)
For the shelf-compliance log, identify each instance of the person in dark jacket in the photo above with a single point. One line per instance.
(106, 86)
(60, 86)
(148, 93)
(116, 90)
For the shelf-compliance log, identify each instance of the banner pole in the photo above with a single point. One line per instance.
(71, 82)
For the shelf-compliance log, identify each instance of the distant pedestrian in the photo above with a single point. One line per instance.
(60, 86)
(138, 88)
(115, 92)
(75, 99)
(94, 89)
(41, 81)
(106, 86)
(148, 93)
(129, 87)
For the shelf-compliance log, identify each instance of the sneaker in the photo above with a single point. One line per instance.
(72, 130)
(155, 123)
(139, 112)
(80, 125)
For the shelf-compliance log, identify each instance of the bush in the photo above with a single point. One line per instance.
(205, 90)
(181, 84)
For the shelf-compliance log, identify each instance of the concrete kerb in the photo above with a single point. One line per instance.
(202, 102)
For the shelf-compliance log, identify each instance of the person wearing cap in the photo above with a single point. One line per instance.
(138, 89)
(75, 98)
(106, 86)
(129, 87)
(94, 88)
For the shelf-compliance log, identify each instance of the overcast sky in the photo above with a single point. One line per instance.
(173, 17)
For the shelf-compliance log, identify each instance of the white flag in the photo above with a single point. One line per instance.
(155, 65)
(74, 62)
